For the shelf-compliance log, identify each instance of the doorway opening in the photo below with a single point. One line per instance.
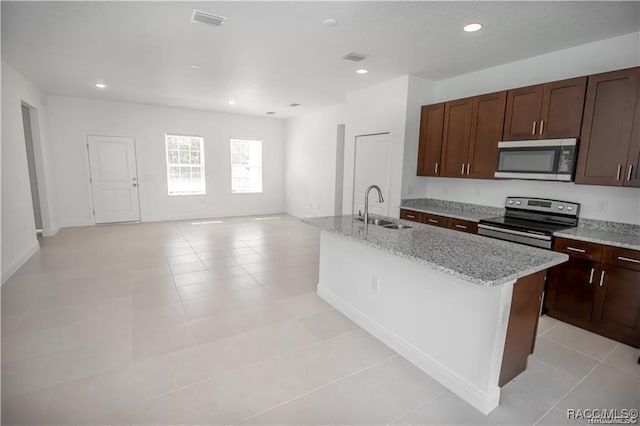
(27, 123)
(371, 166)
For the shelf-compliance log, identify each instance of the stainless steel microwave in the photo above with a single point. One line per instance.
(550, 159)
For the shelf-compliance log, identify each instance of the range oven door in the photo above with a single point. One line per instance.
(553, 159)
(522, 237)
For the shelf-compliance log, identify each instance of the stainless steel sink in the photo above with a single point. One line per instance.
(383, 222)
(397, 226)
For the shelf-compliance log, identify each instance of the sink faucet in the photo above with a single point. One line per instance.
(366, 202)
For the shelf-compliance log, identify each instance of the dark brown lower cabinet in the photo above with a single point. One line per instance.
(600, 296)
(571, 291)
(617, 304)
(441, 221)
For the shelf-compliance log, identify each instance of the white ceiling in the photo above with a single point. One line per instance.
(270, 54)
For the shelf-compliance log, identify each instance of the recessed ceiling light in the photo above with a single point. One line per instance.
(294, 104)
(101, 85)
(195, 67)
(362, 71)
(472, 27)
(270, 112)
(232, 102)
(330, 22)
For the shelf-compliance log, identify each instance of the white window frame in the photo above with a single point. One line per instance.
(169, 165)
(231, 142)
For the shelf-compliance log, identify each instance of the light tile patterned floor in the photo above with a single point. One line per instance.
(219, 323)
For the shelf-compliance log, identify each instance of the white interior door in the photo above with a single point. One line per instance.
(371, 168)
(114, 179)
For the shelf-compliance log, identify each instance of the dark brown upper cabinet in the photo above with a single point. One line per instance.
(457, 133)
(487, 121)
(430, 139)
(545, 111)
(472, 130)
(610, 138)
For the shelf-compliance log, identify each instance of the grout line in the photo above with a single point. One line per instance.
(316, 389)
(553, 406)
(420, 406)
(578, 351)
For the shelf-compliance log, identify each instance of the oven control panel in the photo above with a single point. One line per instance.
(543, 205)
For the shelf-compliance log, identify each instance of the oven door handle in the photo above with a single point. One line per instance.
(511, 231)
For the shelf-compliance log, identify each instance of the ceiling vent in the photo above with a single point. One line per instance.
(354, 56)
(207, 18)
(270, 112)
(294, 104)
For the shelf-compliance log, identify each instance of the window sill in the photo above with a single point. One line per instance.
(186, 194)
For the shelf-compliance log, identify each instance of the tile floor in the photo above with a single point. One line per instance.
(219, 324)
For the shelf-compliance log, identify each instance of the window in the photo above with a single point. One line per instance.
(246, 166)
(185, 165)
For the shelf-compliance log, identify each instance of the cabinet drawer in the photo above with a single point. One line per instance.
(410, 215)
(463, 225)
(435, 220)
(579, 249)
(624, 258)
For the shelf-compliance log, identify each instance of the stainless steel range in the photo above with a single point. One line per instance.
(531, 221)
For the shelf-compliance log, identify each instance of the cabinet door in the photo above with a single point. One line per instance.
(632, 171)
(617, 307)
(607, 126)
(487, 122)
(430, 140)
(457, 130)
(571, 293)
(562, 106)
(523, 112)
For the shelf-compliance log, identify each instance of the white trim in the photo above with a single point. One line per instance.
(77, 223)
(483, 402)
(50, 232)
(11, 269)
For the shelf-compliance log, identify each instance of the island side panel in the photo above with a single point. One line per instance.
(452, 329)
(523, 324)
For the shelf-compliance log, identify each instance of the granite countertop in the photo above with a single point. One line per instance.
(465, 211)
(601, 232)
(477, 259)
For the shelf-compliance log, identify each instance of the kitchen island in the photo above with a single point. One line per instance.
(461, 307)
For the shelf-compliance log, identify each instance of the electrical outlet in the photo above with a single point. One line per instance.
(410, 190)
(446, 190)
(375, 283)
(603, 206)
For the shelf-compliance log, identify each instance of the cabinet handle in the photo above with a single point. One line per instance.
(462, 170)
(436, 170)
(410, 216)
(628, 259)
(629, 172)
(468, 168)
(601, 278)
(461, 226)
(541, 126)
(432, 220)
(533, 129)
(576, 250)
(619, 170)
(591, 276)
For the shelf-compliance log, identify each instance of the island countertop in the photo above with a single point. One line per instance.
(473, 258)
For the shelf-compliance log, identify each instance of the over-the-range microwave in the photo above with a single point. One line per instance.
(550, 159)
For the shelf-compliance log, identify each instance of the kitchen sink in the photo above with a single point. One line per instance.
(397, 226)
(382, 222)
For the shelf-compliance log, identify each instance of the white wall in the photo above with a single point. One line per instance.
(72, 119)
(420, 92)
(18, 227)
(310, 162)
(598, 202)
(377, 109)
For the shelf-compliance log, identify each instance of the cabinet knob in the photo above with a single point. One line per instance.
(533, 129)
(591, 276)
(436, 170)
(601, 278)
(619, 170)
(629, 172)
(462, 170)
(541, 126)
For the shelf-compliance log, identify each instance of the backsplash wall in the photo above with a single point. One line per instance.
(597, 202)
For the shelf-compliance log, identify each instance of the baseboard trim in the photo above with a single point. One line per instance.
(11, 269)
(482, 401)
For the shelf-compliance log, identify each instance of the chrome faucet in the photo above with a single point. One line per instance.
(366, 202)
